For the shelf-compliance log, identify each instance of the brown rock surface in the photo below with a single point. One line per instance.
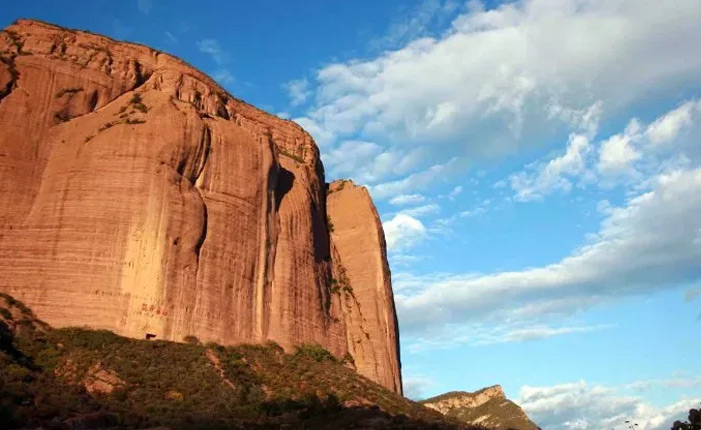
(136, 195)
(487, 407)
(362, 278)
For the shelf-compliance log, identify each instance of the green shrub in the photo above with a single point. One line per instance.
(314, 351)
(191, 340)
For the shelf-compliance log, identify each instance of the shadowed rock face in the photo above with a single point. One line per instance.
(487, 407)
(136, 195)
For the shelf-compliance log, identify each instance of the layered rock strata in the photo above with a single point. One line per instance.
(136, 195)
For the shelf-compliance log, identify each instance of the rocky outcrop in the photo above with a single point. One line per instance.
(362, 279)
(487, 407)
(136, 195)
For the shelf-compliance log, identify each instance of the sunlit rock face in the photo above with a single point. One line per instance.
(136, 195)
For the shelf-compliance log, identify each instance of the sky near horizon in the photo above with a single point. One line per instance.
(536, 164)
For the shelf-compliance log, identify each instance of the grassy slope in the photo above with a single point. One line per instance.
(43, 373)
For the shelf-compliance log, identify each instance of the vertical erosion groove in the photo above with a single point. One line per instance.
(203, 150)
(268, 242)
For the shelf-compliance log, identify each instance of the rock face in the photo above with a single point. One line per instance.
(362, 278)
(487, 407)
(137, 196)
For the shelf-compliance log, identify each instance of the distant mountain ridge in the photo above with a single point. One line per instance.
(487, 407)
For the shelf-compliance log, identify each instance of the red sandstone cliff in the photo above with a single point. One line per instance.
(136, 195)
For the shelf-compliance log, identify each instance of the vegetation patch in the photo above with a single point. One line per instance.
(314, 351)
(289, 155)
(51, 378)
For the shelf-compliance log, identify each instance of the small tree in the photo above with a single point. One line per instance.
(694, 422)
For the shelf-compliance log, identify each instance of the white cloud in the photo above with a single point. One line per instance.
(681, 381)
(403, 231)
(511, 71)
(582, 406)
(415, 22)
(171, 38)
(223, 76)
(212, 48)
(368, 162)
(584, 120)
(421, 211)
(416, 386)
(650, 243)
(298, 91)
(477, 210)
(629, 158)
(668, 127)
(617, 154)
(415, 181)
(541, 180)
(322, 136)
(478, 334)
(456, 192)
(407, 199)
(544, 331)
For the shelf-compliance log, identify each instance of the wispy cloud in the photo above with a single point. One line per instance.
(642, 246)
(480, 335)
(298, 91)
(407, 199)
(171, 38)
(212, 48)
(223, 76)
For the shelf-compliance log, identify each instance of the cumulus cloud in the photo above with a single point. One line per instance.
(403, 231)
(649, 243)
(499, 73)
(617, 154)
(635, 154)
(582, 406)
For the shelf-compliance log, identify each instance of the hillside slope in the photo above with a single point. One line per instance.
(487, 407)
(137, 196)
(76, 378)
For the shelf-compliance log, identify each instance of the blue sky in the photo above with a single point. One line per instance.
(536, 163)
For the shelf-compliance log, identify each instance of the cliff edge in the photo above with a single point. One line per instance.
(136, 195)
